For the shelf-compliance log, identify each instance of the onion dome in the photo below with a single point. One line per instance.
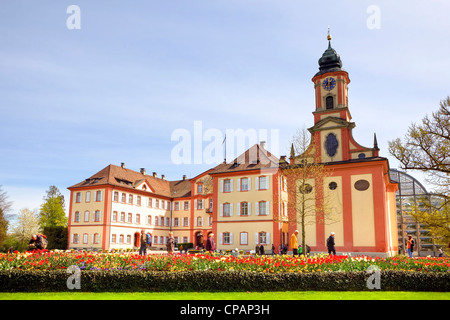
(330, 60)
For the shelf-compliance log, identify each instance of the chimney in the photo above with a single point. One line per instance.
(263, 144)
(154, 174)
(184, 177)
(163, 176)
(122, 165)
(143, 171)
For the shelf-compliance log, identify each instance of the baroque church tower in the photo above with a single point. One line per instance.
(332, 130)
(359, 193)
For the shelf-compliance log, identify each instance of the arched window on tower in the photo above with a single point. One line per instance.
(329, 102)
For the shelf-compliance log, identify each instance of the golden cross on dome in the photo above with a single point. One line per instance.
(329, 35)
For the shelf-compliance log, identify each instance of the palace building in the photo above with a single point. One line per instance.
(246, 202)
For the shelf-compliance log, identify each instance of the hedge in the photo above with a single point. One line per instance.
(17, 280)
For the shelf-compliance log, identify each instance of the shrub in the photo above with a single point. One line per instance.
(16, 280)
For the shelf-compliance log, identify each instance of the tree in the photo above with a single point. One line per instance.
(426, 148)
(27, 225)
(52, 210)
(5, 204)
(308, 202)
(3, 227)
(5, 207)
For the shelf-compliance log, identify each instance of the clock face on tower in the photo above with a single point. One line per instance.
(329, 83)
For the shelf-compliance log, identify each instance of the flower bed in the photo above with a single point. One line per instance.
(54, 260)
(47, 271)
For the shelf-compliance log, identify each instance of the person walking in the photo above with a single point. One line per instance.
(210, 244)
(294, 243)
(143, 243)
(170, 243)
(410, 245)
(331, 244)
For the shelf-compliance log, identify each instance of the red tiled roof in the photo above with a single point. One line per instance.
(127, 178)
(252, 159)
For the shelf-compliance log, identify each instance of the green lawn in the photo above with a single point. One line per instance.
(290, 295)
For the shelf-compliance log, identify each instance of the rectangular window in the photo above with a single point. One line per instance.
(244, 238)
(138, 219)
(262, 208)
(124, 198)
(88, 196)
(98, 215)
(244, 209)
(199, 188)
(263, 183)
(114, 216)
(175, 222)
(138, 200)
(130, 199)
(78, 197)
(113, 238)
(244, 184)
(186, 205)
(186, 222)
(227, 185)
(98, 196)
(262, 238)
(177, 206)
(116, 196)
(226, 238)
(85, 238)
(86, 216)
(226, 210)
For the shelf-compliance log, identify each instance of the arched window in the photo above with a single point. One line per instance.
(329, 102)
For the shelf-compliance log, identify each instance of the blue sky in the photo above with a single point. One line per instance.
(74, 101)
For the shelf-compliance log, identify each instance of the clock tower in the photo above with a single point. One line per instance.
(332, 130)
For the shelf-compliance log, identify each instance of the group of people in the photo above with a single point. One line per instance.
(39, 242)
(298, 249)
(146, 242)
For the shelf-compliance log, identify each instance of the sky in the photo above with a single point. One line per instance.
(107, 82)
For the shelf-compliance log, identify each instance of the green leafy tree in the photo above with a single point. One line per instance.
(52, 212)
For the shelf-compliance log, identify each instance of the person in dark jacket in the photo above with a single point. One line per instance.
(38, 241)
(331, 244)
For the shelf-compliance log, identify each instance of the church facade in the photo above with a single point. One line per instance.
(252, 200)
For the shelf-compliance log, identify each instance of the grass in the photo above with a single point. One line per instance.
(290, 295)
